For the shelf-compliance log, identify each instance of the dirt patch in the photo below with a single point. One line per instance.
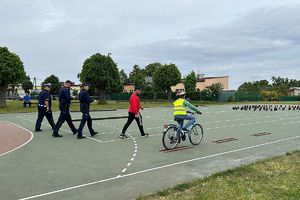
(12, 137)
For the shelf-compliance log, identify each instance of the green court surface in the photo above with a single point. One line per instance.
(106, 167)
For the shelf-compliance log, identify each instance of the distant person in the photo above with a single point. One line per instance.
(134, 113)
(180, 112)
(85, 101)
(44, 108)
(26, 100)
(65, 98)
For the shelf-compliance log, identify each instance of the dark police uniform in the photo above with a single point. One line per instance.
(85, 101)
(42, 110)
(64, 107)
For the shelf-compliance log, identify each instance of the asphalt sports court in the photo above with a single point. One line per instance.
(106, 167)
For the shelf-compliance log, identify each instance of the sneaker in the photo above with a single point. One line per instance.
(57, 135)
(93, 134)
(81, 137)
(123, 136)
(38, 130)
(145, 135)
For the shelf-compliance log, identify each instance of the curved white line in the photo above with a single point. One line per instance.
(31, 137)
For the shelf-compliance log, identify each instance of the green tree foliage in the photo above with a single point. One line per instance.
(102, 72)
(74, 92)
(190, 82)
(137, 77)
(11, 72)
(123, 76)
(282, 85)
(253, 87)
(215, 90)
(268, 95)
(151, 69)
(166, 76)
(55, 84)
(27, 84)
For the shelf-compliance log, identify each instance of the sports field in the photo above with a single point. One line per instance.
(106, 167)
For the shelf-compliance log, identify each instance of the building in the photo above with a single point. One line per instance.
(295, 91)
(203, 82)
(128, 88)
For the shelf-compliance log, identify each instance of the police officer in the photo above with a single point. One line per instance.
(44, 108)
(65, 98)
(85, 101)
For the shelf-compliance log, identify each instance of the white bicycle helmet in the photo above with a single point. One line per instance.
(180, 93)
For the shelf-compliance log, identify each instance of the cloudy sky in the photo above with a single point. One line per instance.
(246, 40)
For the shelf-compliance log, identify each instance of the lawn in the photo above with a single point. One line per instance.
(276, 178)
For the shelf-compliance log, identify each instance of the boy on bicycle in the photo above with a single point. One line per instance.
(180, 112)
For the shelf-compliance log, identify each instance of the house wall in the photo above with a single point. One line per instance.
(201, 85)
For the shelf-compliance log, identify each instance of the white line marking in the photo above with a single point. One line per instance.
(128, 164)
(160, 167)
(91, 138)
(124, 170)
(31, 137)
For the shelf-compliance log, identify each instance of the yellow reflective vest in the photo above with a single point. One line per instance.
(179, 108)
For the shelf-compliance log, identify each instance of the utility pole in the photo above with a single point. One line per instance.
(34, 80)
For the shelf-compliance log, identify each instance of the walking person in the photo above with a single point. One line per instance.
(44, 108)
(85, 101)
(134, 113)
(65, 98)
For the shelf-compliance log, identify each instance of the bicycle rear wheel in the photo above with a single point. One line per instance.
(170, 139)
(196, 134)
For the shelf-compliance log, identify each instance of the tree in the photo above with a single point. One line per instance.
(190, 82)
(151, 69)
(166, 76)
(137, 77)
(102, 72)
(11, 72)
(215, 90)
(55, 84)
(27, 84)
(124, 77)
(268, 95)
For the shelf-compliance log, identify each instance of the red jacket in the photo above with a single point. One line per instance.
(135, 104)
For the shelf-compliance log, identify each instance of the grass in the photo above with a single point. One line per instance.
(276, 178)
(17, 106)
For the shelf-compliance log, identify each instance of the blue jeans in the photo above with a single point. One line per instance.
(191, 119)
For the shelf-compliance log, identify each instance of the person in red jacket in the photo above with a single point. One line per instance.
(134, 113)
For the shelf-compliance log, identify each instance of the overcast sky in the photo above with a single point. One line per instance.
(246, 40)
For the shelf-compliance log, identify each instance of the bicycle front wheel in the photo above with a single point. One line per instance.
(170, 139)
(196, 134)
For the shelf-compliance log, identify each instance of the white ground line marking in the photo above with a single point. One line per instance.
(132, 159)
(31, 137)
(160, 167)
(124, 170)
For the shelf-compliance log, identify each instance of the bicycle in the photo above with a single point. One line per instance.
(173, 134)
